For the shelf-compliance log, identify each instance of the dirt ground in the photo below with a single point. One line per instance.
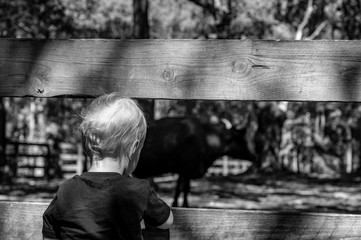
(279, 193)
(272, 192)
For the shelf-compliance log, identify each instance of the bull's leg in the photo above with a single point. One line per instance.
(178, 190)
(186, 189)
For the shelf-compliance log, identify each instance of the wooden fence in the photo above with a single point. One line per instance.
(71, 159)
(40, 160)
(19, 220)
(189, 69)
(26, 159)
(226, 166)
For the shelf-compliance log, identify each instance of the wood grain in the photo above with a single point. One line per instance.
(183, 69)
(20, 220)
(236, 224)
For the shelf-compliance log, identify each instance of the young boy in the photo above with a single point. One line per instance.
(106, 202)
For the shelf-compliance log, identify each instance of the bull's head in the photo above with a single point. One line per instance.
(238, 142)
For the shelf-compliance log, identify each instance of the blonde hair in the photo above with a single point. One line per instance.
(112, 126)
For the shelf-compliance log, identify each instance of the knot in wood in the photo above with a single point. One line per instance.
(168, 74)
(37, 78)
(40, 90)
(240, 66)
(37, 85)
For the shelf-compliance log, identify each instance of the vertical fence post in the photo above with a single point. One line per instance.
(79, 160)
(2, 140)
(225, 166)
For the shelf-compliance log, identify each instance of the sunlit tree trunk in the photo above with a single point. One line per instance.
(31, 122)
(348, 154)
(2, 139)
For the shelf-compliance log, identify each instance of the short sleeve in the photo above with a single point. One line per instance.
(50, 228)
(157, 211)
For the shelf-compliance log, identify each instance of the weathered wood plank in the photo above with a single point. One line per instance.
(24, 221)
(21, 220)
(236, 224)
(183, 69)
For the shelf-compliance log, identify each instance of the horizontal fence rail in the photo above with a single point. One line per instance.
(21, 220)
(183, 69)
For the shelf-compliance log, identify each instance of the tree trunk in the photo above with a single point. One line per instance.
(141, 25)
(141, 31)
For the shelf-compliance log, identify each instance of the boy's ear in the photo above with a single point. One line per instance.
(134, 147)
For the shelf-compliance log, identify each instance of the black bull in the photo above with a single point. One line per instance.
(188, 147)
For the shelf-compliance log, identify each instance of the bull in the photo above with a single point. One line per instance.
(188, 148)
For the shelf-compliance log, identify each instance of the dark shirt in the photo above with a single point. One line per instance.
(103, 206)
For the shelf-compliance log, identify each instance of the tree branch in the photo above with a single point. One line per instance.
(305, 20)
(318, 30)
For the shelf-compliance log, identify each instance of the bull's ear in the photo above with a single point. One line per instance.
(238, 127)
(226, 123)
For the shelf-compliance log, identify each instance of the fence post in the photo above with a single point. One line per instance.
(79, 160)
(2, 140)
(225, 166)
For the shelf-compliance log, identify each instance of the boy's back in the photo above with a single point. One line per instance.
(103, 205)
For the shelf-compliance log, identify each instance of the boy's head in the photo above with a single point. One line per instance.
(113, 126)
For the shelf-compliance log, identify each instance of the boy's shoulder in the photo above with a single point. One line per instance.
(68, 183)
(104, 179)
(136, 183)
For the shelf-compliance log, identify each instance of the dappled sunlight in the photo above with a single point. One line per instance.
(278, 193)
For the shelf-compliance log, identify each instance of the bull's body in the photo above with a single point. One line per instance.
(187, 147)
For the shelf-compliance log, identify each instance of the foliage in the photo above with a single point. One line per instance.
(65, 19)
(41, 119)
(33, 19)
(176, 19)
